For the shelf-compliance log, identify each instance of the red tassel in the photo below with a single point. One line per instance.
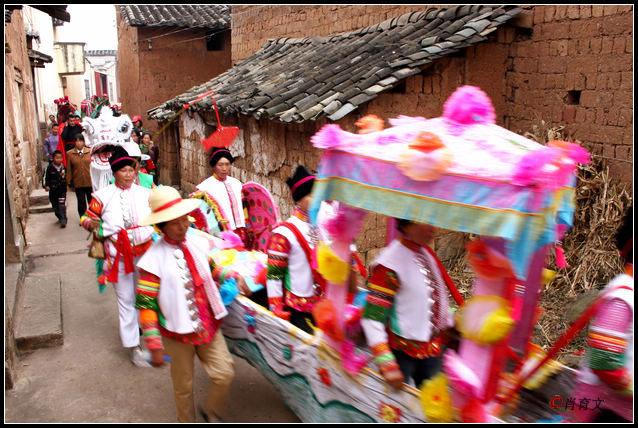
(561, 262)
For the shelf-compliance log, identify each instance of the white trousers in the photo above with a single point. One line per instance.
(125, 292)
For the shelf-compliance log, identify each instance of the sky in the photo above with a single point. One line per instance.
(93, 24)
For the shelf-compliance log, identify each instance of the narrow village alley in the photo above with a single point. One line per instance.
(90, 378)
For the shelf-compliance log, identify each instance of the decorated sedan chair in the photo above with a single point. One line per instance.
(460, 172)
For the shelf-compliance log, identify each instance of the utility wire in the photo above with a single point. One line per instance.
(203, 25)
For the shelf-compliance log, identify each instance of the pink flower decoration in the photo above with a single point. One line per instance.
(328, 137)
(469, 105)
(231, 240)
(530, 168)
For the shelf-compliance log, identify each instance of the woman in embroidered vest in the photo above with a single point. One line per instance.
(292, 284)
(181, 309)
(606, 377)
(407, 312)
(114, 213)
(226, 190)
(141, 179)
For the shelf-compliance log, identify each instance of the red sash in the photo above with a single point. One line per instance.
(446, 277)
(319, 280)
(126, 251)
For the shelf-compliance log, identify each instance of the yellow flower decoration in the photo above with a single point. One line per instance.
(548, 276)
(390, 413)
(485, 319)
(330, 266)
(226, 257)
(435, 399)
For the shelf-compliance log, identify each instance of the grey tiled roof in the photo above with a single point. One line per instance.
(294, 80)
(208, 17)
(101, 52)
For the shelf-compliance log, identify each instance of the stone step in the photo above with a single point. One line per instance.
(39, 316)
(39, 197)
(39, 209)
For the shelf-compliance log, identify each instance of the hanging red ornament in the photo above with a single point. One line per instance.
(223, 136)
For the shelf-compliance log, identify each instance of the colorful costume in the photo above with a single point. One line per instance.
(607, 370)
(293, 286)
(228, 195)
(181, 310)
(119, 212)
(406, 310)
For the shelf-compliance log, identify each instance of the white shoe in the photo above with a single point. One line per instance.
(140, 358)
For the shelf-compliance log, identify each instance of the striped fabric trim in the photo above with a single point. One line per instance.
(608, 332)
(151, 284)
(276, 255)
(605, 360)
(609, 339)
(151, 332)
(379, 301)
(381, 289)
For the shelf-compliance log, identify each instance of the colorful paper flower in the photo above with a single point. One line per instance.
(469, 105)
(485, 319)
(486, 262)
(251, 321)
(324, 314)
(229, 291)
(421, 165)
(226, 257)
(330, 266)
(473, 412)
(389, 413)
(324, 375)
(435, 399)
(370, 123)
(426, 142)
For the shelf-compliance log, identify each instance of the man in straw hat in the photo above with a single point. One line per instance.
(180, 306)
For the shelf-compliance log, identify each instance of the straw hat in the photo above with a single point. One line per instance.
(166, 205)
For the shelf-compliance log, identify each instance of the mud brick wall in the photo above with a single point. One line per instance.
(576, 70)
(173, 64)
(21, 135)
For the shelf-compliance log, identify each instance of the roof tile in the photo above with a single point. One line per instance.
(294, 80)
(208, 17)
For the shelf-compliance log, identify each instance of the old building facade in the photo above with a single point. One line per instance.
(566, 65)
(164, 50)
(22, 144)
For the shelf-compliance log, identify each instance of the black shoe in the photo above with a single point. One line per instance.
(63, 224)
(207, 418)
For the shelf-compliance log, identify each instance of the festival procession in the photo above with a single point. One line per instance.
(320, 214)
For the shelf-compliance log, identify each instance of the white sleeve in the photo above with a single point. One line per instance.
(374, 331)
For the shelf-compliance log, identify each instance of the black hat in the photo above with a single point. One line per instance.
(120, 158)
(218, 154)
(300, 183)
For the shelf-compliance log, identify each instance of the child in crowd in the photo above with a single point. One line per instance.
(55, 184)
